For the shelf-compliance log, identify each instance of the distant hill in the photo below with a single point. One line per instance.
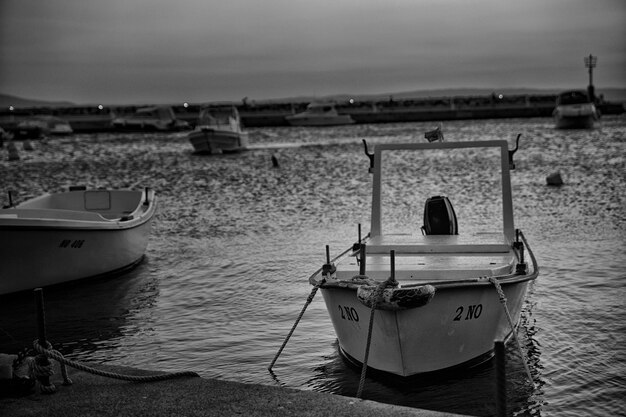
(612, 94)
(8, 100)
(609, 94)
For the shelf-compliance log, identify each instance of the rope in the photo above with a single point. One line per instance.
(375, 300)
(40, 368)
(48, 372)
(293, 328)
(56, 355)
(496, 284)
(306, 305)
(530, 252)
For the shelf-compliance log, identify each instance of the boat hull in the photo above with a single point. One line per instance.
(213, 141)
(456, 329)
(56, 238)
(38, 257)
(575, 116)
(575, 122)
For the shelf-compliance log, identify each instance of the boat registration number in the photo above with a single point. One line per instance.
(67, 243)
(348, 313)
(471, 312)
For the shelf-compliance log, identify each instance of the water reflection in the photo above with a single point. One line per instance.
(82, 318)
(453, 393)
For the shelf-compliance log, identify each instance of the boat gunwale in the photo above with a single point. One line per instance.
(505, 279)
(133, 219)
(447, 284)
(114, 226)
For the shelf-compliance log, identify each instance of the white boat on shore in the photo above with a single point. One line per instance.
(319, 114)
(62, 237)
(436, 296)
(154, 118)
(219, 130)
(575, 110)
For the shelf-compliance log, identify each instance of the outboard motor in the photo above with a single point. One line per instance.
(439, 217)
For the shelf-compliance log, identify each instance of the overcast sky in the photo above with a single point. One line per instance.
(167, 51)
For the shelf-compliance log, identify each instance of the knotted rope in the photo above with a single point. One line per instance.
(496, 284)
(56, 355)
(41, 368)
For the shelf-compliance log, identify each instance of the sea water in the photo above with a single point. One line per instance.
(235, 239)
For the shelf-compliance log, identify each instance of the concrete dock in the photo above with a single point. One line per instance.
(92, 395)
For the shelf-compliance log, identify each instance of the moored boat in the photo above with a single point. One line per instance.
(37, 127)
(154, 118)
(441, 296)
(319, 114)
(575, 110)
(61, 237)
(219, 130)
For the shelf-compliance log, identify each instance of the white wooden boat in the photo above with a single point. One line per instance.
(219, 130)
(575, 110)
(61, 237)
(154, 118)
(319, 114)
(435, 291)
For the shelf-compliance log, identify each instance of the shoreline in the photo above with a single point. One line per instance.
(91, 119)
(188, 396)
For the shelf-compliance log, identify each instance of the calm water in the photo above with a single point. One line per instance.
(234, 241)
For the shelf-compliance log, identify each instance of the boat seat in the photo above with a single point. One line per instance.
(420, 244)
(97, 200)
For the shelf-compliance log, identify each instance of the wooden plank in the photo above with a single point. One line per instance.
(430, 266)
(478, 243)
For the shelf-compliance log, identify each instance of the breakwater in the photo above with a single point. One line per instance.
(267, 114)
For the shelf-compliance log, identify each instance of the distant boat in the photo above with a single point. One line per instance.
(61, 237)
(219, 130)
(319, 114)
(574, 110)
(155, 118)
(37, 127)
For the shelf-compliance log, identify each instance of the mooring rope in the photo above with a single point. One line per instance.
(367, 351)
(496, 284)
(375, 300)
(293, 328)
(306, 305)
(40, 369)
(56, 355)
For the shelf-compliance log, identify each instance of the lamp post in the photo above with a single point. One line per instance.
(590, 62)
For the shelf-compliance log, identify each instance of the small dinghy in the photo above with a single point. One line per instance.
(61, 237)
(436, 298)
